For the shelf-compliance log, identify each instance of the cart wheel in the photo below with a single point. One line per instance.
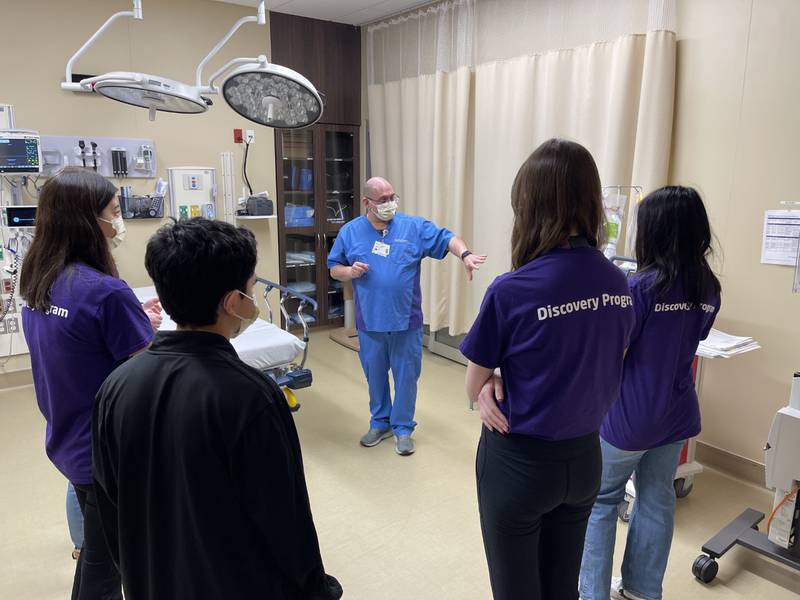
(683, 487)
(705, 568)
(623, 511)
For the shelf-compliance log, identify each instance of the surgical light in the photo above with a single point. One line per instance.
(152, 92)
(263, 92)
(149, 91)
(259, 91)
(272, 95)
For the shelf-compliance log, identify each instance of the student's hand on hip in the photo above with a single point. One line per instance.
(358, 269)
(491, 393)
(472, 263)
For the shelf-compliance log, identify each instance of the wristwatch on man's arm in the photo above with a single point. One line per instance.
(465, 254)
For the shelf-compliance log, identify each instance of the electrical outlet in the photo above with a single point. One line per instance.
(3, 328)
(250, 136)
(237, 136)
(13, 325)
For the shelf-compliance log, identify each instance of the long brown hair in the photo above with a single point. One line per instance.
(67, 232)
(556, 193)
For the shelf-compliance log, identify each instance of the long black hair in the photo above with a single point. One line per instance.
(673, 241)
(67, 232)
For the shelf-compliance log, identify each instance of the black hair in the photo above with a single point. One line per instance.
(195, 263)
(673, 240)
(67, 232)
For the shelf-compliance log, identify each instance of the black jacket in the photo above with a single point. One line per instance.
(199, 478)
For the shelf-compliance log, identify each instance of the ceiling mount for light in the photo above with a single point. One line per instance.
(262, 92)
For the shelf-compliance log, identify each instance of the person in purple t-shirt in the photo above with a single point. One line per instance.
(557, 327)
(676, 298)
(81, 321)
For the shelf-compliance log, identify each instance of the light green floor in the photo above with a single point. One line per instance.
(390, 527)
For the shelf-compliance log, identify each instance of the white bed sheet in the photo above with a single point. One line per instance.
(263, 345)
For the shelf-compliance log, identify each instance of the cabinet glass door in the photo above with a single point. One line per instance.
(340, 174)
(298, 178)
(301, 273)
(335, 300)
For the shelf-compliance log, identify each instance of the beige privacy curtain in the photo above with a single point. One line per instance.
(452, 114)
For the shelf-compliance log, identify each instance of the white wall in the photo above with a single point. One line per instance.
(737, 138)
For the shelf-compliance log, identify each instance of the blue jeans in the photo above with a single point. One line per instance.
(650, 528)
(400, 351)
(74, 517)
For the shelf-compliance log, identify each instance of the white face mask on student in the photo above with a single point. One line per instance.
(247, 321)
(119, 230)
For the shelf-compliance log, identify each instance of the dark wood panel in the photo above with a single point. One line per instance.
(329, 55)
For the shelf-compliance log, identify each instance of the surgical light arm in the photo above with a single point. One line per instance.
(68, 84)
(260, 18)
(211, 88)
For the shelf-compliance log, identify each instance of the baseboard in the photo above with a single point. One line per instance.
(733, 464)
(14, 379)
(15, 371)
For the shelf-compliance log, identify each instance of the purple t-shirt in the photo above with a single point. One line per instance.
(557, 328)
(658, 402)
(94, 323)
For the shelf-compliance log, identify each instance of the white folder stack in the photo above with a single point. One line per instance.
(719, 344)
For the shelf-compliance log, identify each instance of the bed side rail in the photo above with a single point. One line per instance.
(285, 294)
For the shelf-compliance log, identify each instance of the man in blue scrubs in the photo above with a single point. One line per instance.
(381, 254)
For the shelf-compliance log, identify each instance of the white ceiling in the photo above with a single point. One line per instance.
(354, 12)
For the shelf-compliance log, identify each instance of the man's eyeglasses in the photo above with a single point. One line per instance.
(384, 199)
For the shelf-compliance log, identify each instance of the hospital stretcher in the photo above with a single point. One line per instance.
(266, 346)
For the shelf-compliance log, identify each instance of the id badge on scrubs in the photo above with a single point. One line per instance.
(381, 249)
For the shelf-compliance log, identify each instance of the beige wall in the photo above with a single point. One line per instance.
(171, 40)
(737, 138)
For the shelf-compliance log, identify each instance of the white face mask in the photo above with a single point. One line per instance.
(246, 322)
(119, 230)
(385, 211)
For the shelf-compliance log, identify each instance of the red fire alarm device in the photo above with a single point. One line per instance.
(237, 136)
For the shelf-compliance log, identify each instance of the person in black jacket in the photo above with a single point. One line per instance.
(199, 475)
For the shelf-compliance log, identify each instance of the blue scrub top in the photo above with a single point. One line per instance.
(388, 296)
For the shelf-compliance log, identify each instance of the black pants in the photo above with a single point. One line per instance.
(96, 576)
(535, 498)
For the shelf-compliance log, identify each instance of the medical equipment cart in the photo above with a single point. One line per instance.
(780, 541)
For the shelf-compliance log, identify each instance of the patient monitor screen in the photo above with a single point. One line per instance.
(19, 154)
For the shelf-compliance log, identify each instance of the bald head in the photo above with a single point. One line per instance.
(378, 189)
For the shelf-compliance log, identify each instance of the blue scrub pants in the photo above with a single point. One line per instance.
(400, 351)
